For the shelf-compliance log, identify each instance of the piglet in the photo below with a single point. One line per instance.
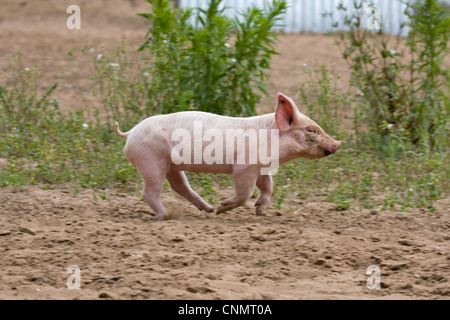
(164, 146)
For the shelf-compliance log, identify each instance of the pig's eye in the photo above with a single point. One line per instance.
(311, 130)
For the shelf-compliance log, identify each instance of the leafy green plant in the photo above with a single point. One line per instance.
(208, 191)
(343, 204)
(204, 60)
(22, 108)
(43, 145)
(322, 101)
(428, 121)
(403, 83)
(120, 84)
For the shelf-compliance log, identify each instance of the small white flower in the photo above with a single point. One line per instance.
(227, 45)
(146, 74)
(85, 126)
(393, 52)
(114, 64)
(390, 126)
(91, 50)
(99, 56)
(305, 64)
(27, 69)
(165, 41)
(233, 60)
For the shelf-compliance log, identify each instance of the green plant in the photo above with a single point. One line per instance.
(215, 64)
(343, 204)
(120, 84)
(22, 108)
(404, 85)
(45, 146)
(208, 190)
(322, 101)
(428, 121)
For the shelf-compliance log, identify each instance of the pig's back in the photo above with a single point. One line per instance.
(188, 119)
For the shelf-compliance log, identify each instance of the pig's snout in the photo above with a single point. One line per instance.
(333, 148)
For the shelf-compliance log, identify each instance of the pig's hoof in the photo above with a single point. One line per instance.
(221, 209)
(227, 202)
(260, 207)
(210, 210)
(203, 206)
(171, 216)
(163, 216)
(206, 208)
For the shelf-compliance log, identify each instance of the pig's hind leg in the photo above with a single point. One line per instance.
(153, 173)
(180, 185)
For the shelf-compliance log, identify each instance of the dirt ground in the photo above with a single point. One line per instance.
(308, 250)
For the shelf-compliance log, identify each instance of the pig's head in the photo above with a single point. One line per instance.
(300, 137)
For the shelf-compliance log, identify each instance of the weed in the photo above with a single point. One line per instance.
(204, 60)
(381, 164)
(404, 84)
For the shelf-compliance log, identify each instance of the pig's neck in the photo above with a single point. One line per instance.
(286, 150)
(266, 121)
(286, 156)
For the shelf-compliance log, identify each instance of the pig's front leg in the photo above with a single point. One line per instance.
(244, 182)
(180, 184)
(265, 185)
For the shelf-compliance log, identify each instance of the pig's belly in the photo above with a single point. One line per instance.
(205, 168)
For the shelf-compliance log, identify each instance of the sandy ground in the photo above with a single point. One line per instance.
(305, 251)
(308, 252)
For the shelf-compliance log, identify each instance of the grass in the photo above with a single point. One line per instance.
(371, 170)
(404, 82)
(44, 146)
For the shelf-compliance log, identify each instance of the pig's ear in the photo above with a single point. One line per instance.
(287, 113)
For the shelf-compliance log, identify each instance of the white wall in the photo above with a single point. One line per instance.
(306, 15)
